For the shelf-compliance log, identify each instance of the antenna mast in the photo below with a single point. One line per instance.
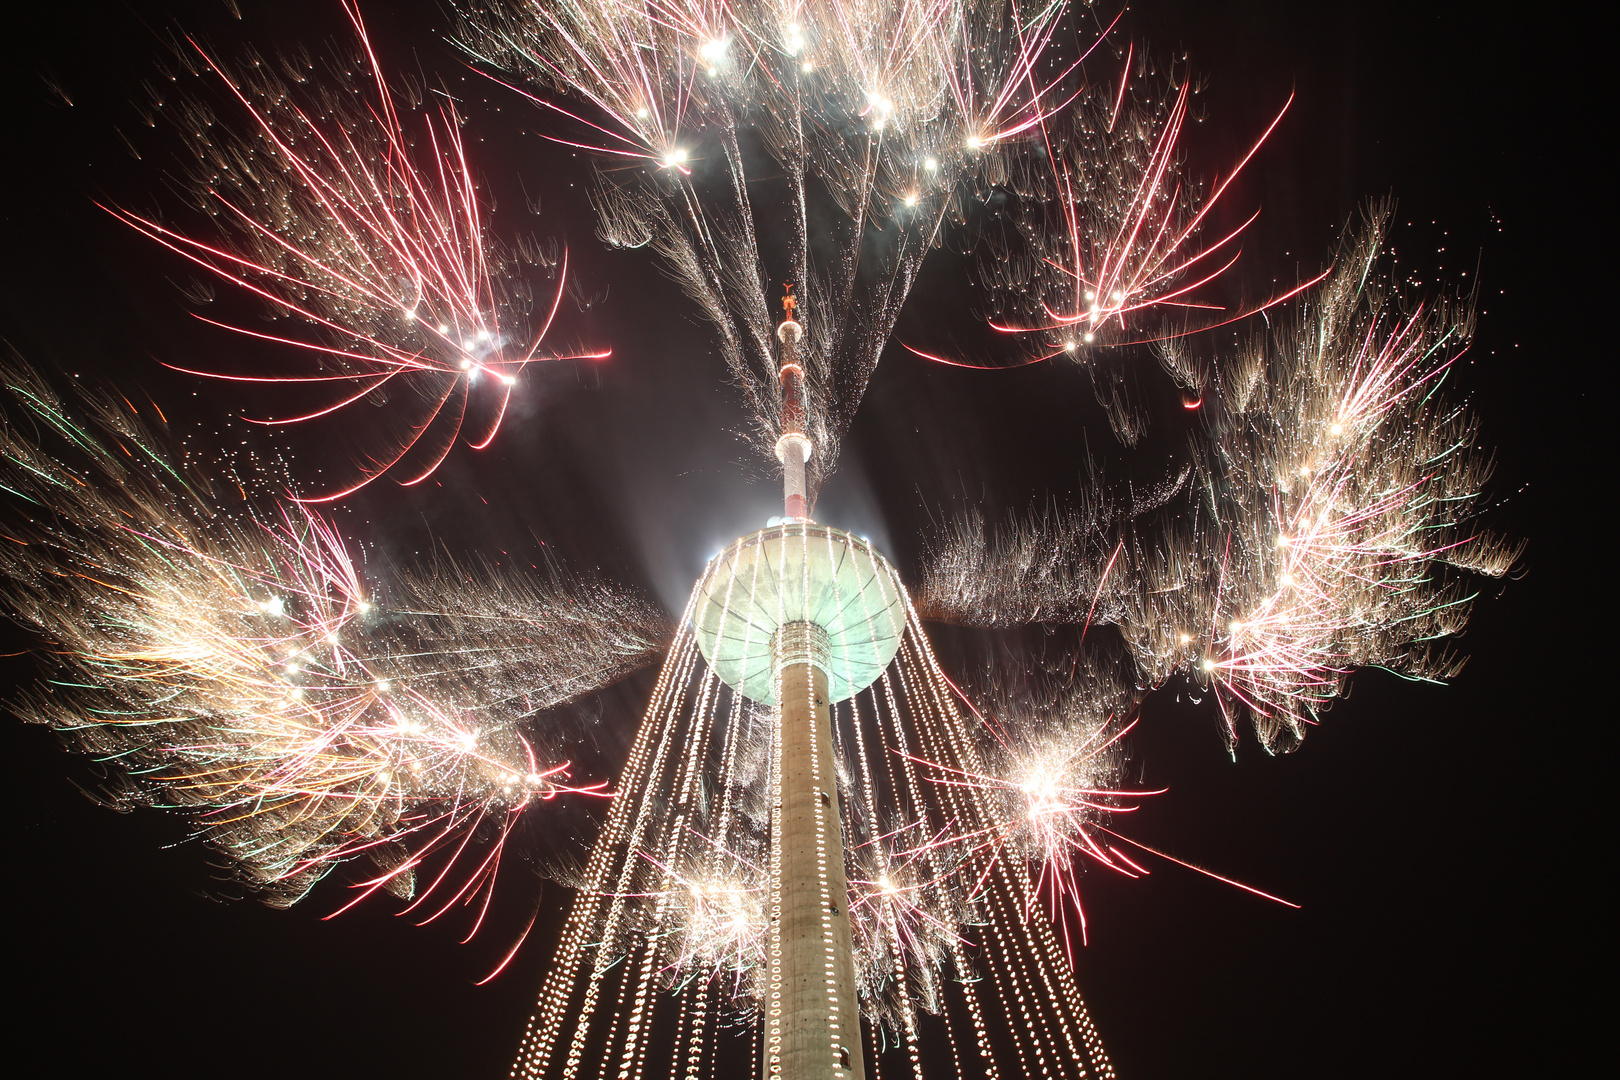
(793, 447)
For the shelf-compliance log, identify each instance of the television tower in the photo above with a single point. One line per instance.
(719, 875)
(800, 616)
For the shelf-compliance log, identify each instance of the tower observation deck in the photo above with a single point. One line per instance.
(799, 572)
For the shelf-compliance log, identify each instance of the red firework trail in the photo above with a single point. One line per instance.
(376, 242)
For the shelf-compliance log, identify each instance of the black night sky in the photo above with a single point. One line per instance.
(1434, 835)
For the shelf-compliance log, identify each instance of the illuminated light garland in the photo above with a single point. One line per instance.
(950, 913)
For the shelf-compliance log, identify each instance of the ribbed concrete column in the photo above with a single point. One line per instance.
(812, 1020)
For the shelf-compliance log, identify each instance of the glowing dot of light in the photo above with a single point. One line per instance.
(882, 108)
(911, 200)
(930, 164)
(274, 606)
(443, 328)
(1209, 665)
(382, 686)
(974, 142)
(714, 51)
(1069, 346)
(1337, 429)
(1088, 337)
(1186, 638)
(465, 364)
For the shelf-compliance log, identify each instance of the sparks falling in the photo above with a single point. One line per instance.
(238, 664)
(871, 115)
(238, 668)
(365, 226)
(1327, 524)
(672, 914)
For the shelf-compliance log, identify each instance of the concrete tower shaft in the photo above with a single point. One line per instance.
(812, 1019)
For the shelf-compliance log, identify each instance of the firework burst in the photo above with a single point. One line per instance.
(240, 664)
(365, 226)
(867, 116)
(720, 928)
(1104, 244)
(1051, 777)
(236, 666)
(1320, 533)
